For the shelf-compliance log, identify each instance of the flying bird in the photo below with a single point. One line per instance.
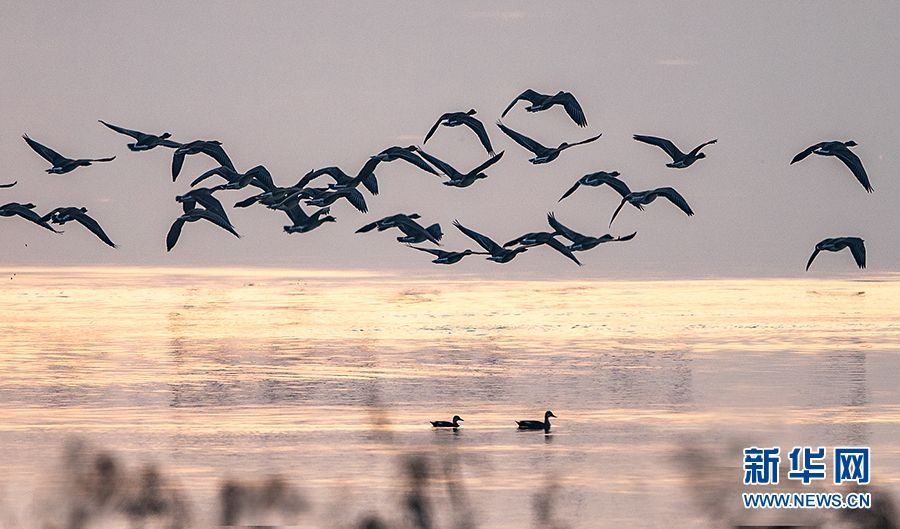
(543, 102)
(598, 179)
(407, 154)
(325, 197)
(26, 212)
(581, 243)
(543, 238)
(60, 163)
(458, 179)
(4, 186)
(857, 248)
(412, 230)
(454, 423)
(211, 148)
(303, 223)
(841, 151)
(541, 154)
(537, 425)
(455, 119)
(444, 257)
(144, 141)
(680, 160)
(639, 199)
(258, 177)
(204, 197)
(193, 216)
(63, 215)
(498, 254)
(366, 177)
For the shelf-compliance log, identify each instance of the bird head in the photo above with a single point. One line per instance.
(471, 112)
(549, 414)
(701, 155)
(563, 145)
(328, 218)
(616, 173)
(414, 216)
(83, 209)
(165, 135)
(850, 143)
(457, 418)
(412, 148)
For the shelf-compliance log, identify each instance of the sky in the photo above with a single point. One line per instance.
(301, 85)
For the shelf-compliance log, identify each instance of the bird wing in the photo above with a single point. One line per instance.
(121, 130)
(26, 213)
(478, 127)
(619, 185)
(562, 229)
(493, 159)
(626, 237)
(852, 161)
(441, 165)
(573, 108)
(212, 203)
(174, 233)
(177, 164)
(262, 178)
(109, 159)
(522, 139)
(294, 211)
(5, 186)
(434, 128)
(806, 152)
(218, 171)
(249, 201)
(517, 240)
(216, 219)
(675, 198)
(582, 142)
(482, 240)
(662, 143)
(618, 209)
(812, 258)
(414, 159)
(93, 226)
(702, 145)
(368, 227)
(563, 249)
(411, 227)
(858, 249)
(433, 251)
(528, 95)
(570, 191)
(216, 151)
(357, 199)
(46, 152)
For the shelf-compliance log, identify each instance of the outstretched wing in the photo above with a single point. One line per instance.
(411, 227)
(216, 219)
(858, 249)
(493, 159)
(218, 171)
(216, 151)
(262, 178)
(434, 128)
(294, 211)
(482, 240)
(356, 199)
(174, 233)
(121, 130)
(563, 249)
(211, 203)
(432, 251)
(570, 191)
(702, 145)
(562, 229)
(573, 108)
(589, 140)
(46, 152)
(618, 209)
(662, 143)
(414, 159)
(177, 164)
(93, 226)
(675, 198)
(852, 161)
(806, 152)
(442, 166)
(4, 186)
(517, 240)
(478, 127)
(522, 139)
(528, 95)
(27, 213)
(620, 186)
(812, 258)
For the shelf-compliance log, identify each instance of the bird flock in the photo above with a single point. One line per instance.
(307, 203)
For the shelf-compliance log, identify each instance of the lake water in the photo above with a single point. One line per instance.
(329, 380)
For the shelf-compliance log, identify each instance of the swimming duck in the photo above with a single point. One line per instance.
(680, 160)
(455, 119)
(541, 102)
(145, 141)
(444, 257)
(498, 254)
(598, 179)
(258, 176)
(63, 215)
(537, 425)
(639, 199)
(841, 151)
(542, 237)
(447, 424)
(581, 242)
(60, 163)
(211, 148)
(26, 212)
(542, 154)
(857, 248)
(193, 216)
(458, 179)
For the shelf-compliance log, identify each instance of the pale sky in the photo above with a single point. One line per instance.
(301, 85)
